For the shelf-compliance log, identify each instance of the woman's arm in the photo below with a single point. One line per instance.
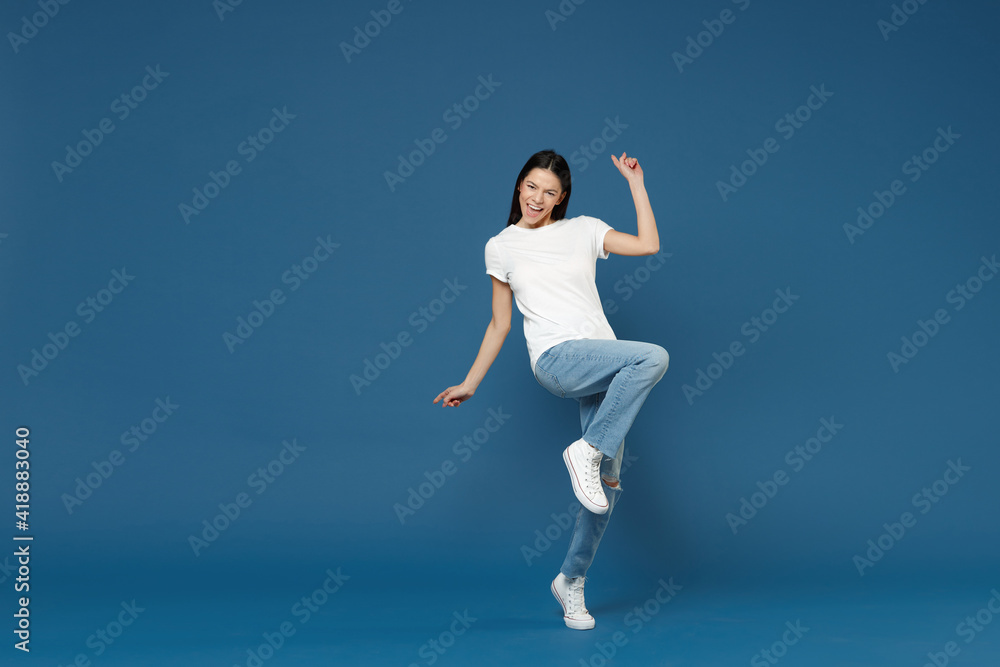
(647, 242)
(493, 340)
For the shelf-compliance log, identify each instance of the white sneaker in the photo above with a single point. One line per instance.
(569, 592)
(584, 465)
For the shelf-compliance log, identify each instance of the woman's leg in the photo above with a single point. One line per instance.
(590, 527)
(624, 370)
(611, 380)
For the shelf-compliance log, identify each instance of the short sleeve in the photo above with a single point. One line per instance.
(494, 266)
(600, 229)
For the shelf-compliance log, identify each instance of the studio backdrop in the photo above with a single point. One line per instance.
(242, 250)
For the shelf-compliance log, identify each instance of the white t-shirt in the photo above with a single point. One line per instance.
(551, 272)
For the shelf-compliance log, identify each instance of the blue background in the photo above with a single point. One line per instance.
(365, 446)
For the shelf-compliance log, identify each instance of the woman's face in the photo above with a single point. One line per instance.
(540, 192)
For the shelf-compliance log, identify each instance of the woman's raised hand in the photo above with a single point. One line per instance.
(454, 396)
(629, 167)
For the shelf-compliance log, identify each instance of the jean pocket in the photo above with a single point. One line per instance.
(548, 380)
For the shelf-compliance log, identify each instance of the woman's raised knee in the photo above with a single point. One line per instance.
(659, 357)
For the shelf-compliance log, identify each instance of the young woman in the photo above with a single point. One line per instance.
(548, 262)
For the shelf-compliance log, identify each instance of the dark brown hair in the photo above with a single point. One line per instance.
(547, 159)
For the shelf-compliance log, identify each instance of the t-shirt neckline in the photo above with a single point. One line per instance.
(551, 224)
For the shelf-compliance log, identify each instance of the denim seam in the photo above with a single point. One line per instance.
(615, 402)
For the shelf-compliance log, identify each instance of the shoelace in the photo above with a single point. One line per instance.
(594, 475)
(575, 597)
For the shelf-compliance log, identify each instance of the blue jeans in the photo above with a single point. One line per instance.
(610, 379)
